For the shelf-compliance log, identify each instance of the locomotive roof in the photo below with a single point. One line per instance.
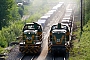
(29, 23)
(59, 30)
(28, 31)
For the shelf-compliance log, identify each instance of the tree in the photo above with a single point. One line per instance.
(5, 8)
(87, 10)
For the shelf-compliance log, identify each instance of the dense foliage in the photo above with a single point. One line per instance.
(10, 33)
(5, 7)
(81, 50)
(87, 11)
(8, 12)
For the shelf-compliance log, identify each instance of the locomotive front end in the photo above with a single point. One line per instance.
(58, 41)
(31, 40)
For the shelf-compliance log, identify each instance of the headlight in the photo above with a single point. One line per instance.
(22, 43)
(38, 42)
(65, 43)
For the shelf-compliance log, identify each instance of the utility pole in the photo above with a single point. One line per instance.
(81, 18)
(84, 12)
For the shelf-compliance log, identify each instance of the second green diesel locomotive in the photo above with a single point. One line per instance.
(59, 39)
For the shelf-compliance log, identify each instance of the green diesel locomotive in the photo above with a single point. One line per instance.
(59, 40)
(31, 39)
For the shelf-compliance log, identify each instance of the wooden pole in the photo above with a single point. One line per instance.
(81, 18)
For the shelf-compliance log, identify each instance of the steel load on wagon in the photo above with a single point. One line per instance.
(42, 23)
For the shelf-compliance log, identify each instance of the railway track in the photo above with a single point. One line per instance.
(56, 57)
(59, 58)
(28, 57)
(15, 54)
(22, 57)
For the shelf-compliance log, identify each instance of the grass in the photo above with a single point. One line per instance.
(81, 50)
(1, 50)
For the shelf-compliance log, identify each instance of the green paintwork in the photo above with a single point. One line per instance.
(58, 38)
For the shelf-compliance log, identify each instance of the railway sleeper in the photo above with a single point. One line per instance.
(31, 50)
